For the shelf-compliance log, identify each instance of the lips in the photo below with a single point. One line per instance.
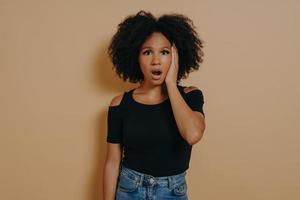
(156, 74)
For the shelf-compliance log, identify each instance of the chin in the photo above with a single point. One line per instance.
(156, 82)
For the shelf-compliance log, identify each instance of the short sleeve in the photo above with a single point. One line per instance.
(195, 100)
(114, 125)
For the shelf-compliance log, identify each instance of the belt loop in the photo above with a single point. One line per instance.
(170, 182)
(141, 179)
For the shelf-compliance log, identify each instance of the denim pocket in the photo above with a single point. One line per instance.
(127, 183)
(180, 189)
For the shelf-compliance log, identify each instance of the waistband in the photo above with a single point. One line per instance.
(149, 180)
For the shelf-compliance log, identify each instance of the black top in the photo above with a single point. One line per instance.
(150, 137)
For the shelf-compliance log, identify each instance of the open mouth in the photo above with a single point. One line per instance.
(156, 72)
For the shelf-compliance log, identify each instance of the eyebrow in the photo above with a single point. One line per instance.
(151, 47)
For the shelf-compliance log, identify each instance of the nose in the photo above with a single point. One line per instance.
(155, 59)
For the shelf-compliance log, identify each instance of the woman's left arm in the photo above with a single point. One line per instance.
(191, 124)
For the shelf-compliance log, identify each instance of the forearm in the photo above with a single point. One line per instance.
(110, 178)
(191, 126)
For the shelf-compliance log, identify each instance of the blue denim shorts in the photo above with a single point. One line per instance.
(133, 185)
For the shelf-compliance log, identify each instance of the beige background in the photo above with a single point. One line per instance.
(56, 83)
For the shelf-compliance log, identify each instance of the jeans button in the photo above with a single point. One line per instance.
(151, 180)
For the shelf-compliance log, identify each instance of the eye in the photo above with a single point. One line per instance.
(146, 52)
(165, 51)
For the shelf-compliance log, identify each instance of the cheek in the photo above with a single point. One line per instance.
(143, 64)
(167, 59)
(142, 61)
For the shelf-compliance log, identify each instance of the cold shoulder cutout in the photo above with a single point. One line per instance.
(195, 100)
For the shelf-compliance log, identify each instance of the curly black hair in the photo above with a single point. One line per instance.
(125, 45)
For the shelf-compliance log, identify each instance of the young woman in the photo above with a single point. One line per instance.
(152, 128)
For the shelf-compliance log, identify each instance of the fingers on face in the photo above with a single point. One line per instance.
(174, 53)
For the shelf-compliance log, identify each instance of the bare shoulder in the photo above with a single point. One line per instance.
(190, 88)
(116, 100)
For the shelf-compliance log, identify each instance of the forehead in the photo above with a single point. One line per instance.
(156, 40)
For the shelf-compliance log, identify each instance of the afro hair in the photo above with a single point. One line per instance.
(132, 32)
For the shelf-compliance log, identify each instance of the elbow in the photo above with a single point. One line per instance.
(195, 138)
(198, 132)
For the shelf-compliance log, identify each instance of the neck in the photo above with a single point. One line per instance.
(155, 90)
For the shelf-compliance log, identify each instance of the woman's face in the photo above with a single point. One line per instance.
(155, 55)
